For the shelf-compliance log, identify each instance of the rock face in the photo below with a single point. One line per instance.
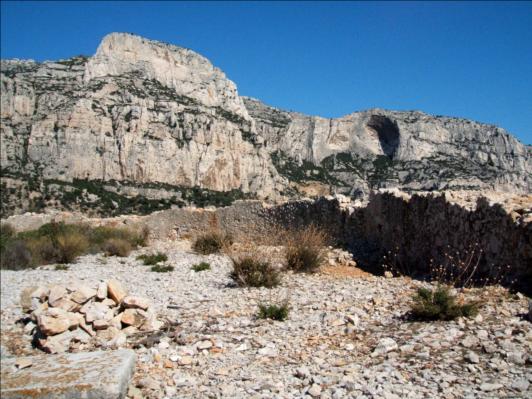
(383, 149)
(160, 117)
(138, 111)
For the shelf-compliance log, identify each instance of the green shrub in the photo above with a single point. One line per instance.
(162, 268)
(273, 311)
(70, 246)
(211, 243)
(249, 272)
(6, 234)
(43, 250)
(101, 234)
(439, 304)
(201, 267)
(16, 256)
(152, 259)
(304, 249)
(117, 247)
(58, 242)
(61, 267)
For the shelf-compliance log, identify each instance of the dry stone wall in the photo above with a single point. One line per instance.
(414, 230)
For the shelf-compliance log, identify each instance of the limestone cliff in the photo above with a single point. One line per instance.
(137, 111)
(382, 149)
(142, 118)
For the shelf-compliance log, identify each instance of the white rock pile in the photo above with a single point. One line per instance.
(78, 317)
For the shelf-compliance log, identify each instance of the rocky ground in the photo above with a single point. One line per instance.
(346, 335)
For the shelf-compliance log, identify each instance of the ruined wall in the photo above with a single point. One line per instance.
(414, 230)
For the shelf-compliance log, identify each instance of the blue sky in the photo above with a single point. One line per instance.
(471, 60)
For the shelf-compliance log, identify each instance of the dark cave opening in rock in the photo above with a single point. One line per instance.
(388, 133)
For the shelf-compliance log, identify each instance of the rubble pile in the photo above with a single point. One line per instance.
(79, 317)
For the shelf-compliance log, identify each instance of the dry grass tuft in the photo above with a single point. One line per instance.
(305, 249)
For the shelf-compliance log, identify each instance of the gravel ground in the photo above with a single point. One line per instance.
(345, 337)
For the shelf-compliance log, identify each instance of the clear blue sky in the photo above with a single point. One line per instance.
(471, 60)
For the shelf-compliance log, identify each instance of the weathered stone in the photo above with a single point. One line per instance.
(101, 292)
(97, 311)
(103, 375)
(57, 293)
(115, 291)
(100, 324)
(133, 317)
(66, 304)
(54, 321)
(136, 302)
(26, 299)
(82, 294)
(384, 346)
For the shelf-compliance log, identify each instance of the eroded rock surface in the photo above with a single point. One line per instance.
(144, 119)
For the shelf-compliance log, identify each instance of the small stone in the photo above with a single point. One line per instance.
(115, 291)
(385, 345)
(488, 387)
(204, 345)
(516, 357)
(407, 348)
(167, 364)
(101, 291)
(56, 293)
(302, 372)
(130, 330)
(97, 311)
(472, 357)
(134, 393)
(82, 294)
(148, 383)
(388, 274)
(469, 341)
(314, 390)
(23, 363)
(26, 299)
(133, 317)
(100, 324)
(86, 328)
(118, 341)
(521, 385)
(136, 302)
(54, 321)
(185, 360)
(41, 293)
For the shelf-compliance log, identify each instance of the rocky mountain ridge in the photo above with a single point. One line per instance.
(147, 121)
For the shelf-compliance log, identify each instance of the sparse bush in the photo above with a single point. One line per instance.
(117, 247)
(211, 242)
(6, 234)
(101, 234)
(43, 250)
(439, 304)
(70, 246)
(305, 249)
(16, 256)
(61, 267)
(201, 267)
(250, 272)
(63, 243)
(162, 268)
(273, 311)
(152, 259)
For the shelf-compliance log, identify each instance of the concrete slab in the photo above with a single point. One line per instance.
(89, 375)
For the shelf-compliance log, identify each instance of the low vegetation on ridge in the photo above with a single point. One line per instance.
(63, 243)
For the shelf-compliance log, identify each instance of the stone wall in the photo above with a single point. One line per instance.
(413, 230)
